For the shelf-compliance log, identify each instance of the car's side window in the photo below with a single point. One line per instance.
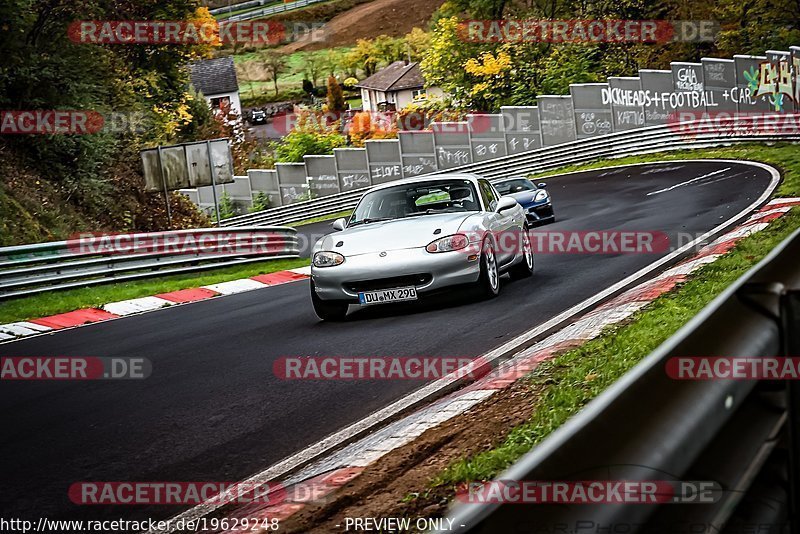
(488, 194)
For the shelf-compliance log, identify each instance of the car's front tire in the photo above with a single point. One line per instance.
(328, 310)
(488, 284)
(524, 269)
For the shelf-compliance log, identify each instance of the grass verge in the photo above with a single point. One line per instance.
(570, 380)
(53, 302)
(321, 218)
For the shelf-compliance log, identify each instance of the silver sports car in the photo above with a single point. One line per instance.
(418, 235)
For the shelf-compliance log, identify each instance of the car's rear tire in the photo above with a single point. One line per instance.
(524, 269)
(488, 285)
(328, 310)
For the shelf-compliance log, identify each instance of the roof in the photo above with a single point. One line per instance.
(396, 77)
(214, 76)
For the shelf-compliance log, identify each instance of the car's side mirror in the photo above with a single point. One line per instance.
(541, 185)
(339, 224)
(505, 203)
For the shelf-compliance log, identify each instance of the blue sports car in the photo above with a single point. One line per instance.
(533, 198)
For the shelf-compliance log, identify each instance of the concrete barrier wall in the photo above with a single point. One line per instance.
(592, 108)
(687, 91)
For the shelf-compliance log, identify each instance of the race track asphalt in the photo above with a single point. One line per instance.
(213, 409)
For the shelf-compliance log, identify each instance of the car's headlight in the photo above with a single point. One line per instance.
(327, 259)
(540, 195)
(446, 244)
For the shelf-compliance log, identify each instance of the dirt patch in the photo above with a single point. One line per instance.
(383, 489)
(394, 18)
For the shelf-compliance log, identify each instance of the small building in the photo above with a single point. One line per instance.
(394, 87)
(216, 80)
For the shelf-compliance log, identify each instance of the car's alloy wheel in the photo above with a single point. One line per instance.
(524, 269)
(328, 310)
(489, 280)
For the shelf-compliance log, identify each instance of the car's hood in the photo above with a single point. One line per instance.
(410, 232)
(524, 197)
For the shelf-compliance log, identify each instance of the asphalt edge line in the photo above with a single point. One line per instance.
(430, 392)
(170, 305)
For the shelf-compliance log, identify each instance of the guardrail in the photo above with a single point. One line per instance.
(87, 260)
(632, 142)
(271, 10)
(743, 435)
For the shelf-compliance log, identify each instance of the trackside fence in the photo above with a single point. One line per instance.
(257, 13)
(640, 141)
(743, 435)
(90, 260)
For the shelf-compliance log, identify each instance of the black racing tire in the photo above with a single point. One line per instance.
(488, 284)
(328, 310)
(523, 269)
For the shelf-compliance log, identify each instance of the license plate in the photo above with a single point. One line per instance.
(366, 298)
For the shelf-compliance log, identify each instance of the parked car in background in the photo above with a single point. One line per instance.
(258, 116)
(533, 198)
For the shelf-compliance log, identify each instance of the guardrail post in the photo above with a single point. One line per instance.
(790, 327)
(166, 191)
(213, 180)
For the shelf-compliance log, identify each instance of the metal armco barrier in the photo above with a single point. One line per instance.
(627, 143)
(740, 434)
(271, 10)
(29, 269)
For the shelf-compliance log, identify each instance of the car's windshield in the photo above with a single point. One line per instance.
(514, 186)
(419, 198)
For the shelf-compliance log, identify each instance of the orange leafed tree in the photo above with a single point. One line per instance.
(363, 127)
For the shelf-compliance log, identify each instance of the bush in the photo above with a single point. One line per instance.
(260, 202)
(298, 144)
(226, 207)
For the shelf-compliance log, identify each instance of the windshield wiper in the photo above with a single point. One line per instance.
(370, 220)
(431, 211)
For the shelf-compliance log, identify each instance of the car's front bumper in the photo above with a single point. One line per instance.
(427, 272)
(539, 213)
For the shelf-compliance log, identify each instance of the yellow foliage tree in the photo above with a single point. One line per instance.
(208, 33)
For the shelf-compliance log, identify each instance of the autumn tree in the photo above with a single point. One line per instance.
(364, 125)
(389, 49)
(250, 71)
(417, 42)
(365, 56)
(275, 64)
(94, 181)
(335, 95)
(313, 66)
(332, 61)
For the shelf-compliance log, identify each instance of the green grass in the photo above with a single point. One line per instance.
(53, 302)
(289, 83)
(322, 218)
(569, 381)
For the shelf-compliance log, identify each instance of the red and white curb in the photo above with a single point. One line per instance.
(114, 310)
(339, 468)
